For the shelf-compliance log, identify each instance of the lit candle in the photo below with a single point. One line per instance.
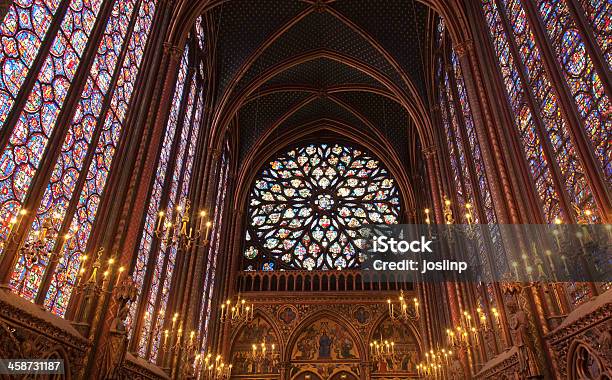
(15, 222)
(515, 266)
(202, 217)
(174, 318)
(580, 237)
(12, 224)
(121, 269)
(556, 235)
(168, 226)
(483, 320)
(564, 260)
(208, 224)
(496, 315)
(548, 253)
(160, 218)
(468, 214)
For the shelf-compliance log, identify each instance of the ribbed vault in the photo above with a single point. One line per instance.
(285, 64)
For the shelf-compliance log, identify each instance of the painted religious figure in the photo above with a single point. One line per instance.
(324, 340)
(325, 343)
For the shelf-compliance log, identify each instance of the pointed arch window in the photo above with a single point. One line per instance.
(214, 250)
(559, 103)
(155, 261)
(69, 70)
(470, 185)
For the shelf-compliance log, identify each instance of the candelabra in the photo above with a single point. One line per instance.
(173, 337)
(178, 229)
(180, 348)
(383, 352)
(436, 364)
(465, 334)
(39, 246)
(236, 312)
(405, 311)
(265, 357)
(469, 231)
(211, 369)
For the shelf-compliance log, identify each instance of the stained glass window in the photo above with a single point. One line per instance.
(528, 85)
(146, 242)
(64, 179)
(171, 192)
(584, 82)
(308, 204)
(100, 164)
(469, 180)
(213, 253)
(28, 140)
(52, 59)
(22, 32)
(178, 195)
(600, 18)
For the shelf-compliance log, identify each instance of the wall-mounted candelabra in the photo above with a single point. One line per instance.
(437, 364)
(237, 312)
(383, 352)
(175, 227)
(404, 309)
(265, 357)
(38, 246)
(211, 367)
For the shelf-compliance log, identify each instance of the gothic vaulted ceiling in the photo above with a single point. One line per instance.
(282, 64)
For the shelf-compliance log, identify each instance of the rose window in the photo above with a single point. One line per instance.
(307, 206)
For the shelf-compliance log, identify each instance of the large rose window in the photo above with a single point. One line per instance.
(307, 207)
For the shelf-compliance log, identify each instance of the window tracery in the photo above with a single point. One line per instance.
(308, 204)
(87, 140)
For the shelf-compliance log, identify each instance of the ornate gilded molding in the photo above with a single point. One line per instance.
(138, 369)
(30, 332)
(586, 328)
(504, 365)
(174, 51)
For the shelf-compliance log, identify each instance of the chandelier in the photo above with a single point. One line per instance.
(405, 311)
(437, 365)
(212, 369)
(383, 351)
(237, 312)
(265, 356)
(178, 229)
(39, 246)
